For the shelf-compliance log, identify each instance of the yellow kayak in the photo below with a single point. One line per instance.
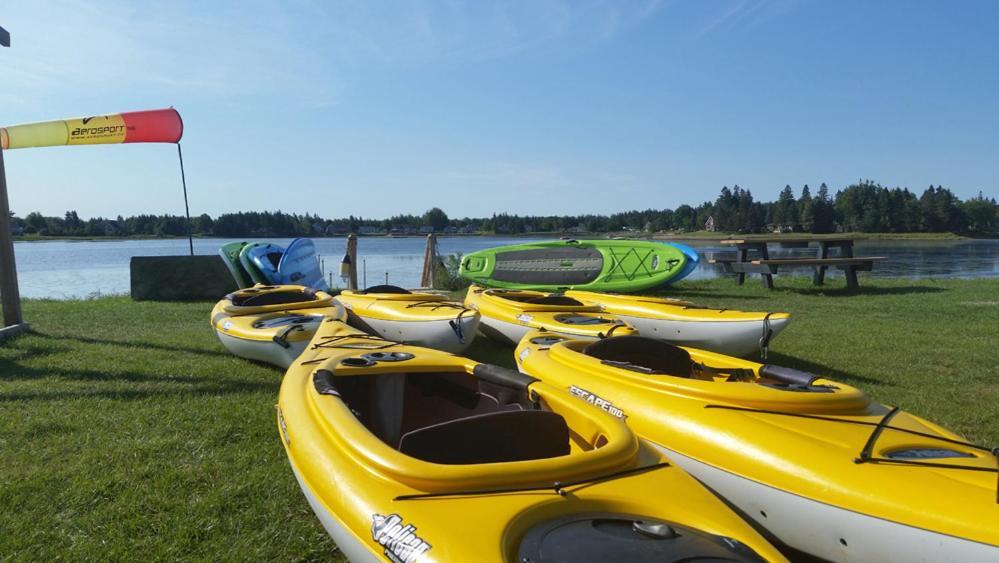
(736, 333)
(411, 454)
(509, 314)
(421, 319)
(272, 323)
(815, 462)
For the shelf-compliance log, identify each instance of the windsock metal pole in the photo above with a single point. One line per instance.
(10, 296)
(187, 210)
(9, 292)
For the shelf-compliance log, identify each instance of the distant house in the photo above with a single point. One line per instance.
(426, 230)
(709, 225)
(368, 230)
(111, 228)
(16, 229)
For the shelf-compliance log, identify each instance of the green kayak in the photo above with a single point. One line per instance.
(595, 265)
(230, 257)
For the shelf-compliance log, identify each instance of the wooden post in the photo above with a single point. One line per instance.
(352, 252)
(428, 278)
(9, 293)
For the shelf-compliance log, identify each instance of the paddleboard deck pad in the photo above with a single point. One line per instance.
(260, 260)
(597, 265)
(300, 266)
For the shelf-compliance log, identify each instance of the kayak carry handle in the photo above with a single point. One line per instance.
(502, 376)
(322, 380)
(787, 375)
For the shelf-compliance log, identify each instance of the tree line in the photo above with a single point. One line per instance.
(861, 207)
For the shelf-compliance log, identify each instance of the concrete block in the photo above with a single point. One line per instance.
(179, 278)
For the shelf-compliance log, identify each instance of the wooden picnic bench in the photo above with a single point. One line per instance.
(767, 267)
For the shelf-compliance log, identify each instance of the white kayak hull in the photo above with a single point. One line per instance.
(828, 531)
(266, 351)
(733, 338)
(347, 543)
(510, 333)
(437, 334)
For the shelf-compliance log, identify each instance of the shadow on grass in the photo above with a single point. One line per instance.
(827, 291)
(132, 394)
(758, 294)
(777, 358)
(129, 344)
(14, 371)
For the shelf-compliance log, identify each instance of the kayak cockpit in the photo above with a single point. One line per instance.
(436, 423)
(657, 365)
(656, 357)
(270, 298)
(527, 300)
(451, 418)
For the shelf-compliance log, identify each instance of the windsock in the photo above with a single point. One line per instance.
(152, 126)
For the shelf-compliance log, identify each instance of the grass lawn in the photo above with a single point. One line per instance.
(127, 431)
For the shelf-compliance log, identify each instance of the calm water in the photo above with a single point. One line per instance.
(64, 270)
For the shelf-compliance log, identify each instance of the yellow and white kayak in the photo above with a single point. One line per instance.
(272, 323)
(418, 318)
(509, 314)
(411, 454)
(815, 462)
(736, 333)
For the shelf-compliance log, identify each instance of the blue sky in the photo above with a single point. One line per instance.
(543, 106)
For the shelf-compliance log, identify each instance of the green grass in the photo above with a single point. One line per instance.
(127, 431)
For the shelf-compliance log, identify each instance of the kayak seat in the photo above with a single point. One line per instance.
(435, 398)
(641, 353)
(386, 289)
(490, 438)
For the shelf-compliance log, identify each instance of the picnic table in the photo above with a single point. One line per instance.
(762, 264)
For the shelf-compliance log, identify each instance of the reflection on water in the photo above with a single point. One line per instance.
(64, 270)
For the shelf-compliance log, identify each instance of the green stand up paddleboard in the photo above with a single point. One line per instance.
(595, 265)
(230, 257)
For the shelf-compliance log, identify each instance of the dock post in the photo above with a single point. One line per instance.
(430, 259)
(352, 252)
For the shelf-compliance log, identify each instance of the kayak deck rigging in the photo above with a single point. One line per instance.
(865, 455)
(557, 487)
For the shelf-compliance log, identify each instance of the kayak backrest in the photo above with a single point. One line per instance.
(647, 354)
(559, 300)
(248, 299)
(504, 436)
(385, 289)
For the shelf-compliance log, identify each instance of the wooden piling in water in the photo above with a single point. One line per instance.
(352, 252)
(430, 260)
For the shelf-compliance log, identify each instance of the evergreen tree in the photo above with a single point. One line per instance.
(806, 211)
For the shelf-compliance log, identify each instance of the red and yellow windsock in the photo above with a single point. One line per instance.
(153, 126)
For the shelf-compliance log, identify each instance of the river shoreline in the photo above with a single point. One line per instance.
(679, 237)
